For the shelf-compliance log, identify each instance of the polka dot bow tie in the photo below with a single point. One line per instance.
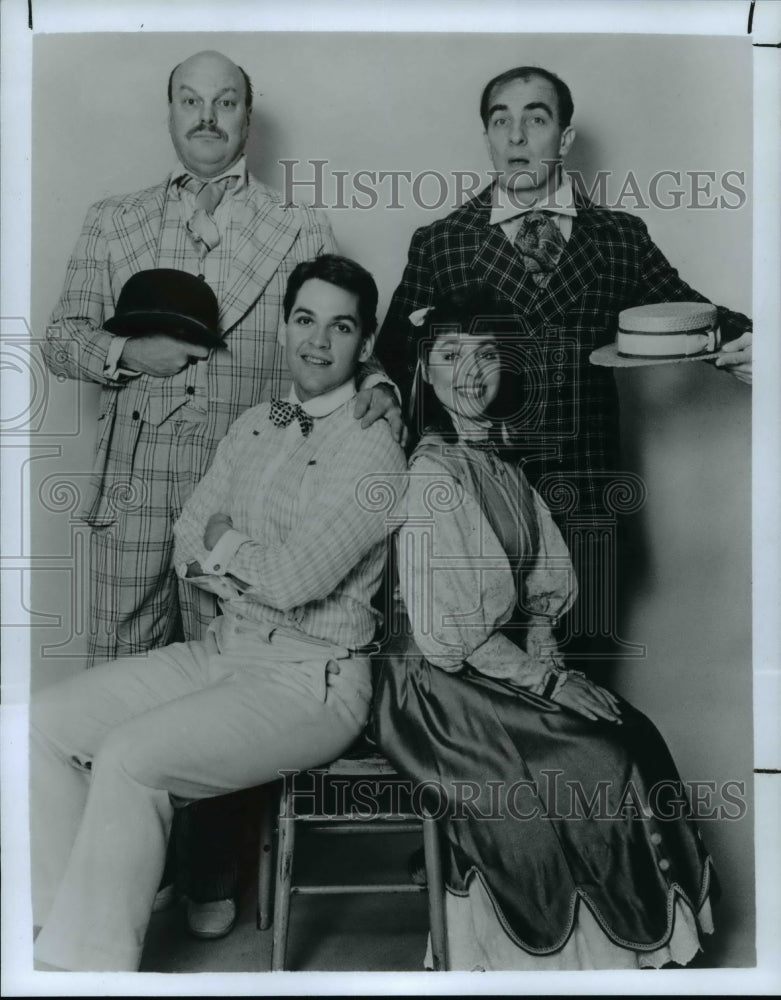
(283, 413)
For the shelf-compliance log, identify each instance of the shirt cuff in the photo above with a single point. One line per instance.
(217, 560)
(499, 657)
(380, 378)
(217, 585)
(111, 368)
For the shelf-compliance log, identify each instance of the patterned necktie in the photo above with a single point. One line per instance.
(283, 413)
(201, 225)
(541, 244)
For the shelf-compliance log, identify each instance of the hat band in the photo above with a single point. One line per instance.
(667, 333)
(164, 315)
(667, 345)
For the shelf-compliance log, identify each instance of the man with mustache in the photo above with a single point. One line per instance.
(165, 404)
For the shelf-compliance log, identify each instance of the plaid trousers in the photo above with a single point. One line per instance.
(151, 607)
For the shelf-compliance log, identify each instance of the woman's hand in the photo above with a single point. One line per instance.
(583, 696)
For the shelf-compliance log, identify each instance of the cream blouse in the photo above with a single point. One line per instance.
(458, 583)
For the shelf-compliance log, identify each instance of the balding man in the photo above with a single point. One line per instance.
(166, 404)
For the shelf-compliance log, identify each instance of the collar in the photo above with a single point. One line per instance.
(322, 406)
(238, 169)
(561, 202)
(472, 428)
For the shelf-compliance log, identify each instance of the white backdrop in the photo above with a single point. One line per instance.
(410, 102)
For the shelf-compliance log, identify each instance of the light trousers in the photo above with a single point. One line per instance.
(115, 749)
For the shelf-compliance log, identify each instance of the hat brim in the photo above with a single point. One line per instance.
(608, 357)
(142, 322)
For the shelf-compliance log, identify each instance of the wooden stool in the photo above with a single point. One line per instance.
(365, 765)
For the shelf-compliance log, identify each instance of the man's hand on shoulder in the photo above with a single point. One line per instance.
(736, 357)
(380, 401)
(159, 355)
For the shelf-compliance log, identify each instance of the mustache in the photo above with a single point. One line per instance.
(205, 129)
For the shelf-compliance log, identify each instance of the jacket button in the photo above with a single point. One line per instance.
(664, 864)
(202, 277)
(190, 390)
(656, 838)
(136, 415)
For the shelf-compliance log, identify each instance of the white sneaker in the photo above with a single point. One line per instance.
(211, 920)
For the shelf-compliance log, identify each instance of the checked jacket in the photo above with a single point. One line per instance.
(568, 416)
(156, 436)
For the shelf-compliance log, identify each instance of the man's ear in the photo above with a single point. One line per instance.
(566, 140)
(367, 347)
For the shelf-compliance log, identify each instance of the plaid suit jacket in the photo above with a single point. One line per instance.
(568, 416)
(122, 235)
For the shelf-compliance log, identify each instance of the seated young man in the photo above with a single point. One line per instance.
(278, 530)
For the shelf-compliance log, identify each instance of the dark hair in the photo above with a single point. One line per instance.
(342, 272)
(475, 311)
(525, 73)
(247, 87)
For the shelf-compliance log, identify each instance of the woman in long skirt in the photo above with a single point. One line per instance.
(568, 842)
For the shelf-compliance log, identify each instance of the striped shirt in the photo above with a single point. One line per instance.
(309, 542)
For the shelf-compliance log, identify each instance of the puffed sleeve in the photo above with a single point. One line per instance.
(550, 587)
(456, 581)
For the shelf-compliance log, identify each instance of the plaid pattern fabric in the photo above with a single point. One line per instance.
(568, 416)
(122, 235)
(137, 601)
(318, 542)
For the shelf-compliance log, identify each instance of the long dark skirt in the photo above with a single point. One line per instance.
(553, 809)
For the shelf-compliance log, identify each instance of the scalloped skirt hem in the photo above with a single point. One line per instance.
(477, 941)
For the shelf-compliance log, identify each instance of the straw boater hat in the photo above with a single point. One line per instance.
(662, 334)
(164, 300)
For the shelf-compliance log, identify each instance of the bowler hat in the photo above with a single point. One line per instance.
(164, 300)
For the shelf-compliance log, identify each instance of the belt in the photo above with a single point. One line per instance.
(369, 649)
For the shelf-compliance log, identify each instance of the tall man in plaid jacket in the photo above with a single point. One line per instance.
(165, 405)
(568, 268)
